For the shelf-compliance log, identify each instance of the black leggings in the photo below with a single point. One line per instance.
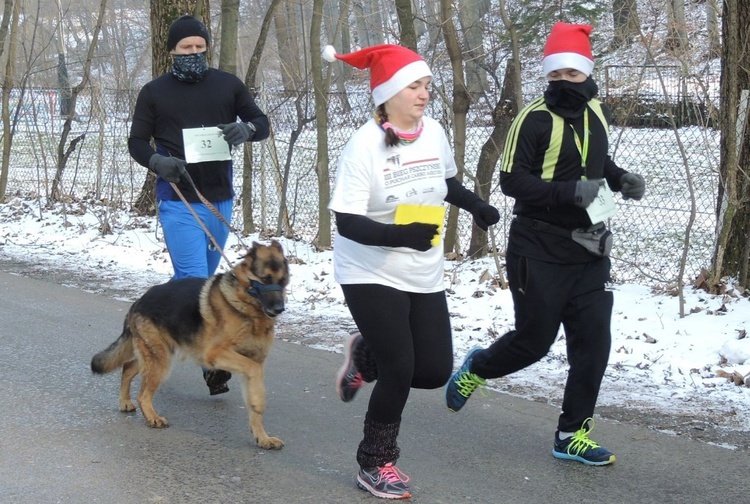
(410, 337)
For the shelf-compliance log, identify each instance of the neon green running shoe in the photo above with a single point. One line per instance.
(582, 449)
(463, 383)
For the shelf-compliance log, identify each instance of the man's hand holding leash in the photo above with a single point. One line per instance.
(168, 168)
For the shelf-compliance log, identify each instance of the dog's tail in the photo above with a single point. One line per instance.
(116, 354)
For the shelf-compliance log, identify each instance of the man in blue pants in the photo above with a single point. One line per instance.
(194, 109)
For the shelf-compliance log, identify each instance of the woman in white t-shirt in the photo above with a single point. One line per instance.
(393, 178)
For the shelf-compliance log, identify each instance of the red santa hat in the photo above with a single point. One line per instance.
(568, 46)
(392, 67)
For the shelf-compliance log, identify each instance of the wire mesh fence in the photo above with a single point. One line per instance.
(680, 166)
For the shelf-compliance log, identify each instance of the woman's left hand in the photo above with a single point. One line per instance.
(485, 215)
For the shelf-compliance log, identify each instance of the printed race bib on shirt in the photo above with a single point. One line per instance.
(205, 144)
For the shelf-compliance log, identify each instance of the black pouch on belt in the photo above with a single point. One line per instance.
(597, 239)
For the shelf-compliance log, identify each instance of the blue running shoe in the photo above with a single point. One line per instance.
(582, 449)
(462, 383)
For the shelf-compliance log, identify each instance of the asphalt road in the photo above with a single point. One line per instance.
(62, 438)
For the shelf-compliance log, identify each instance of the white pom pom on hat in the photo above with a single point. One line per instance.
(329, 53)
(568, 46)
(392, 67)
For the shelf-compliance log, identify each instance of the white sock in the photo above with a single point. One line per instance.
(564, 435)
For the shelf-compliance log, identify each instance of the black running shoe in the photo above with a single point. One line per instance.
(217, 379)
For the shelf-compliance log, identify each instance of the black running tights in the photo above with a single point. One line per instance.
(410, 337)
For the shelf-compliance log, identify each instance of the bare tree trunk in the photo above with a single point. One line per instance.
(369, 23)
(420, 27)
(202, 11)
(714, 35)
(627, 25)
(515, 52)
(63, 80)
(345, 7)
(230, 14)
(408, 36)
(7, 13)
(63, 86)
(502, 117)
(342, 37)
(7, 88)
(733, 211)
(461, 102)
(677, 39)
(63, 152)
(260, 45)
(375, 25)
(321, 126)
(361, 39)
(506, 109)
(285, 22)
(248, 223)
(431, 16)
(470, 14)
(163, 12)
(283, 224)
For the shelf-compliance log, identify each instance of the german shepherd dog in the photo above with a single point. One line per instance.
(223, 322)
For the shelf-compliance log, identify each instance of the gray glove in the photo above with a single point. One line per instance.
(632, 186)
(586, 191)
(237, 133)
(167, 167)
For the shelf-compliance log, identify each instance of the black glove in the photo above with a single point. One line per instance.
(416, 235)
(485, 215)
(167, 167)
(586, 191)
(236, 133)
(632, 185)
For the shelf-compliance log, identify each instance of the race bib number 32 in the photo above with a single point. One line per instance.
(205, 144)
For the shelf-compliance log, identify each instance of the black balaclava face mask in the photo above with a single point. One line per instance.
(569, 99)
(189, 67)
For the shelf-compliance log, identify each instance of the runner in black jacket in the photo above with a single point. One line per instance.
(192, 95)
(555, 159)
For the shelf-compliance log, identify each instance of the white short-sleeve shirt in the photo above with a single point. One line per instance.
(372, 179)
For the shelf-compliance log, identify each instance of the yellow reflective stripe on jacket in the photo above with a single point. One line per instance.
(555, 144)
(552, 155)
(511, 143)
(596, 106)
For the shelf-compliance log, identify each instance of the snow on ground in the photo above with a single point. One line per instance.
(659, 362)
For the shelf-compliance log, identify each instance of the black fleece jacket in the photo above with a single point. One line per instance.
(165, 106)
(549, 197)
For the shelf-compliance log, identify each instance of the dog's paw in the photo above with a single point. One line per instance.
(127, 406)
(271, 443)
(157, 422)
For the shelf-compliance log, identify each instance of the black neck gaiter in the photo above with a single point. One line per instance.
(189, 67)
(569, 99)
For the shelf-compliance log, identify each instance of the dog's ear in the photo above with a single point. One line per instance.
(243, 256)
(242, 270)
(275, 244)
